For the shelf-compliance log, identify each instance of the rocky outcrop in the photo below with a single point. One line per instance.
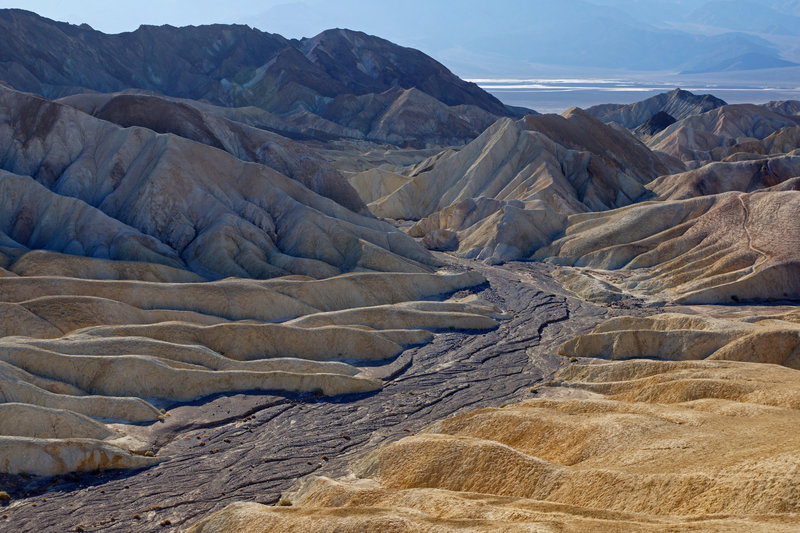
(678, 104)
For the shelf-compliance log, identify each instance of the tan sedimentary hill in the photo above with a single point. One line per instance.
(775, 172)
(375, 183)
(772, 339)
(489, 230)
(75, 350)
(677, 103)
(710, 249)
(699, 138)
(208, 124)
(168, 200)
(784, 107)
(505, 194)
(544, 160)
(634, 445)
(614, 147)
(784, 141)
(45, 263)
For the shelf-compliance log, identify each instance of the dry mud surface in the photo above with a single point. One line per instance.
(252, 447)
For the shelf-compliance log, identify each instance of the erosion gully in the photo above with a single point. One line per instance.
(254, 447)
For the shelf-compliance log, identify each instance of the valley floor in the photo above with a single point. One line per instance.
(253, 447)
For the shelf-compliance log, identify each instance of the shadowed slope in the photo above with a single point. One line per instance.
(208, 125)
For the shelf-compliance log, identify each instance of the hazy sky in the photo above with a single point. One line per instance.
(116, 17)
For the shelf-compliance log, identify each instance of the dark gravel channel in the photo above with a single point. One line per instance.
(254, 446)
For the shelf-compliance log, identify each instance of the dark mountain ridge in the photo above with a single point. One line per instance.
(302, 81)
(218, 63)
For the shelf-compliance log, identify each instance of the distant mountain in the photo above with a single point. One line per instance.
(233, 65)
(747, 15)
(677, 103)
(748, 61)
(616, 34)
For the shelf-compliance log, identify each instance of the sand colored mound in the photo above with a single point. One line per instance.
(506, 193)
(77, 350)
(745, 176)
(241, 299)
(59, 456)
(625, 446)
(773, 340)
(489, 230)
(704, 137)
(44, 263)
(375, 183)
(247, 342)
(401, 316)
(711, 249)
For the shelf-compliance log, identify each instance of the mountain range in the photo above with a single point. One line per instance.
(339, 83)
(573, 35)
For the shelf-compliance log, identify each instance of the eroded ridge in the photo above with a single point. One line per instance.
(76, 352)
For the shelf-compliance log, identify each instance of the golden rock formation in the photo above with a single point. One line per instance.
(637, 445)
